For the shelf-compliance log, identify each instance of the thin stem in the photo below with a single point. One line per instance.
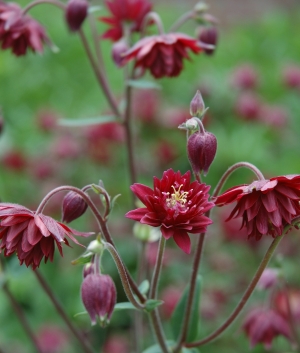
(158, 330)
(181, 20)
(244, 298)
(59, 308)
(56, 3)
(22, 318)
(98, 70)
(187, 314)
(96, 42)
(123, 276)
(157, 269)
(231, 169)
(152, 16)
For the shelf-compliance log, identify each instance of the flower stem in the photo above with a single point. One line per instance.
(56, 3)
(152, 16)
(187, 314)
(123, 276)
(22, 319)
(231, 169)
(158, 330)
(244, 298)
(181, 20)
(59, 308)
(157, 269)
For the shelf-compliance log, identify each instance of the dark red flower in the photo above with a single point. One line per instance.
(175, 205)
(261, 326)
(32, 236)
(163, 54)
(125, 13)
(289, 299)
(75, 14)
(20, 32)
(266, 206)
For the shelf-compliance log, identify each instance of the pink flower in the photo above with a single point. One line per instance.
(266, 206)
(163, 54)
(32, 236)
(261, 326)
(125, 12)
(52, 339)
(175, 205)
(20, 32)
(291, 298)
(245, 77)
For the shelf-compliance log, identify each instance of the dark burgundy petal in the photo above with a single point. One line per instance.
(269, 201)
(137, 214)
(151, 220)
(141, 191)
(167, 232)
(39, 223)
(287, 191)
(183, 241)
(33, 235)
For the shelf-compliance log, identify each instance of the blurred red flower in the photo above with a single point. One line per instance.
(283, 299)
(175, 205)
(266, 206)
(261, 326)
(163, 54)
(125, 12)
(20, 32)
(32, 236)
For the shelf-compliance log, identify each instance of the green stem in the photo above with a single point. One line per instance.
(158, 330)
(59, 308)
(56, 3)
(181, 20)
(244, 298)
(157, 269)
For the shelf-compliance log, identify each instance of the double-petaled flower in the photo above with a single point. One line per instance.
(176, 205)
(32, 236)
(266, 206)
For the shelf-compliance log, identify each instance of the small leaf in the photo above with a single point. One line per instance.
(156, 348)
(143, 84)
(83, 259)
(112, 203)
(87, 121)
(151, 304)
(124, 306)
(80, 314)
(98, 189)
(93, 9)
(176, 319)
(144, 286)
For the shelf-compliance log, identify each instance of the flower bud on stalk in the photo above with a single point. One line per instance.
(73, 207)
(209, 36)
(98, 293)
(76, 13)
(197, 107)
(201, 149)
(118, 49)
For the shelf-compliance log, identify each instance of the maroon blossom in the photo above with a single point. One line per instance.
(32, 236)
(175, 205)
(266, 206)
(261, 326)
(245, 77)
(20, 32)
(76, 12)
(163, 54)
(287, 300)
(125, 13)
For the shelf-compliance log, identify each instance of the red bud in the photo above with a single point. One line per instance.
(73, 207)
(209, 36)
(76, 13)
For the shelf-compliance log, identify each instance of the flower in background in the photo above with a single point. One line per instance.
(268, 279)
(170, 296)
(283, 299)
(32, 236)
(163, 54)
(248, 106)
(52, 339)
(245, 77)
(116, 344)
(14, 160)
(274, 116)
(291, 76)
(261, 326)
(125, 13)
(175, 205)
(266, 206)
(20, 32)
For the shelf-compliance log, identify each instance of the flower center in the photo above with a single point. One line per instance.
(177, 198)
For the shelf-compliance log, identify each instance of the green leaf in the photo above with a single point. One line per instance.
(151, 304)
(176, 319)
(93, 9)
(144, 286)
(87, 121)
(143, 84)
(80, 314)
(112, 203)
(124, 306)
(83, 259)
(156, 348)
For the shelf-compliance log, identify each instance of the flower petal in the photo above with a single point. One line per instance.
(183, 241)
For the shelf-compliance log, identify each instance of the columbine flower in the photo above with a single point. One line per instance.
(265, 205)
(163, 54)
(128, 13)
(175, 205)
(32, 236)
(261, 326)
(20, 32)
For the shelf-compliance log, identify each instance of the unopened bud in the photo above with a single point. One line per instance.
(73, 207)
(88, 269)
(197, 106)
(98, 293)
(76, 13)
(209, 36)
(118, 49)
(96, 247)
(200, 8)
(268, 278)
(201, 149)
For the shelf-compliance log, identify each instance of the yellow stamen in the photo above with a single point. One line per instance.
(177, 197)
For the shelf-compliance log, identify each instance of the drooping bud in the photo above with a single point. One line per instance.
(197, 106)
(118, 49)
(268, 278)
(209, 36)
(201, 150)
(76, 13)
(98, 293)
(73, 207)
(88, 269)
